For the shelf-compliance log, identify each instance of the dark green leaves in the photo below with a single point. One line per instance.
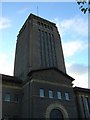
(84, 6)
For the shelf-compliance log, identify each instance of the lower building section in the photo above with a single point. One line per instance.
(82, 97)
(46, 94)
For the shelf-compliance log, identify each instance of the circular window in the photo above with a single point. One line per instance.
(56, 114)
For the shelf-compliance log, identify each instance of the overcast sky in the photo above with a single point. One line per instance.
(72, 25)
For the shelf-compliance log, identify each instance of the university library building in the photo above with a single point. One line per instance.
(40, 87)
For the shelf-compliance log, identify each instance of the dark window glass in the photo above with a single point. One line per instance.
(50, 94)
(42, 93)
(38, 23)
(59, 95)
(86, 108)
(67, 96)
(7, 97)
(16, 97)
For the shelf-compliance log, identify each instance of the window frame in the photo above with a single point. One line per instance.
(16, 98)
(59, 95)
(67, 96)
(41, 92)
(7, 97)
(50, 94)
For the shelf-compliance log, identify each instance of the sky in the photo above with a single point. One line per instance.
(72, 25)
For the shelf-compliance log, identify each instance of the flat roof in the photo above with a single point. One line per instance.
(40, 18)
(13, 79)
(80, 89)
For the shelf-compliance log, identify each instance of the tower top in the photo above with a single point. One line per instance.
(32, 16)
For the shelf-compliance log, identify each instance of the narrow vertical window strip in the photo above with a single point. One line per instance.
(83, 105)
(46, 49)
(87, 106)
(40, 47)
(51, 55)
(49, 50)
(88, 102)
(52, 45)
(54, 51)
(48, 46)
(43, 49)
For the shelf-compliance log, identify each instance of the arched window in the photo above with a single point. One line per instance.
(56, 114)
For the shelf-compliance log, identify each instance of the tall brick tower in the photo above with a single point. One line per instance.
(38, 46)
(46, 90)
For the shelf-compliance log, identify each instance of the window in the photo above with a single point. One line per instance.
(43, 49)
(50, 94)
(38, 23)
(39, 37)
(42, 24)
(42, 93)
(53, 50)
(51, 28)
(16, 98)
(85, 102)
(67, 96)
(45, 25)
(7, 97)
(48, 26)
(59, 95)
(50, 50)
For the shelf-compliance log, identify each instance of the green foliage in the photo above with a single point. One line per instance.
(84, 5)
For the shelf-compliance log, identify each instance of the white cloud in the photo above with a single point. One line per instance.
(73, 30)
(72, 47)
(4, 23)
(79, 69)
(77, 25)
(81, 80)
(80, 73)
(6, 64)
